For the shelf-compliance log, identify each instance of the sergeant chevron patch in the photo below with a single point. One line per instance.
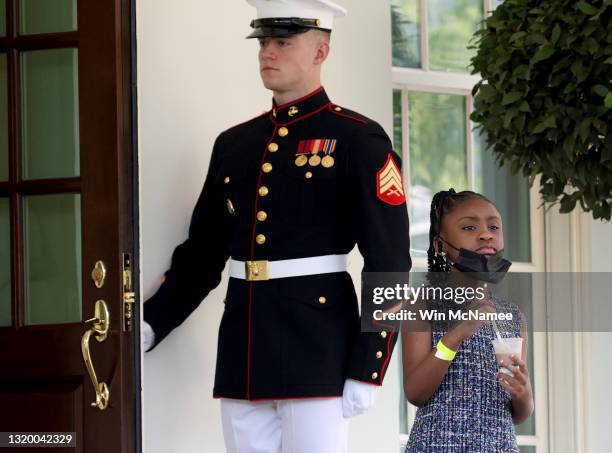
(389, 184)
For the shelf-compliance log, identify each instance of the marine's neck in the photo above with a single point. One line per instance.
(298, 92)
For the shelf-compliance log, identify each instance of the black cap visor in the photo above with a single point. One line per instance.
(276, 32)
(279, 27)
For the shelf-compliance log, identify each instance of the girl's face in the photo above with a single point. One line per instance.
(474, 225)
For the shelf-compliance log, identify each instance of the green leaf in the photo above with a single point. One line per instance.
(606, 154)
(591, 46)
(555, 34)
(584, 128)
(608, 101)
(544, 53)
(548, 123)
(536, 38)
(605, 210)
(509, 116)
(521, 72)
(487, 91)
(517, 35)
(608, 60)
(600, 90)
(578, 70)
(586, 8)
(597, 211)
(511, 97)
(568, 203)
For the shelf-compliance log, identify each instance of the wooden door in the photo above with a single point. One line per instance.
(67, 224)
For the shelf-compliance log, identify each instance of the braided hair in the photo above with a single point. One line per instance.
(442, 203)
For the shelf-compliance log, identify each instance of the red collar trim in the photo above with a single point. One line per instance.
(314, 112)
(288, 104)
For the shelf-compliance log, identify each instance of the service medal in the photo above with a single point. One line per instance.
(328, 161)
(301, 160)
(314, 160)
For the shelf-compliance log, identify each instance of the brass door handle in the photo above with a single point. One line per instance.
(101, 322)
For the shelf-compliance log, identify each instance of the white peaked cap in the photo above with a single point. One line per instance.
(323, 10)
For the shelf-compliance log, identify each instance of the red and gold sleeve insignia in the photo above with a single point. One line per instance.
(389, 183)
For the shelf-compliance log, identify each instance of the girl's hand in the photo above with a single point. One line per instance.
(518, 385)
(467, 328)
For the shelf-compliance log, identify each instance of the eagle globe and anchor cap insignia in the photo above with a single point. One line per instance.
(389, 183)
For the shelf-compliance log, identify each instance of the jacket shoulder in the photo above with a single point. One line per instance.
(349, 115)
(358, 123)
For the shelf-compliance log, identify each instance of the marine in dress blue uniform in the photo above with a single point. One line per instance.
(287, 196)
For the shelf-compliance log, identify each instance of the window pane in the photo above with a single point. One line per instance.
(5, 264)
(52, 225)
(528, 449)
(406, 33)
(50, 113)
(3, 118)
(451, 26)
(47, 16)
(2, 17)
(438, 150)
(511, 196)
(397, 121)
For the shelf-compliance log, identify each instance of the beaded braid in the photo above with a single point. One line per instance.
(442, 203)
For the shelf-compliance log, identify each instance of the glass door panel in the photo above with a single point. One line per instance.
(5, 264)
(2, 18)
(52, 236)
(3, 118)
(47, 16)
(50, 114)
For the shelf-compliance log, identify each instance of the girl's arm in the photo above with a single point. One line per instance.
(519, 386)
(423, 373)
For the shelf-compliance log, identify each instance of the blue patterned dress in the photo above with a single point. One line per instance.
(470, 412)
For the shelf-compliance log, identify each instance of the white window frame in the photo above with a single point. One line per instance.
(438, 82)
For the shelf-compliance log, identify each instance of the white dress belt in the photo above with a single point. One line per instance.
(265, 270)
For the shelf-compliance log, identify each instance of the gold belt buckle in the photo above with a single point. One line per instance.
(256, 270)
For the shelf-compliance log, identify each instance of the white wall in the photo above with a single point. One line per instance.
(197, 76)
(600, 415)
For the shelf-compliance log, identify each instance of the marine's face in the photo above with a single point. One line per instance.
(286, 63)
(474, 225)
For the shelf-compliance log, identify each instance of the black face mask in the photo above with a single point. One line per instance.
(490, 269)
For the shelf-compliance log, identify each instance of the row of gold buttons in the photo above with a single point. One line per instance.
(263, 190)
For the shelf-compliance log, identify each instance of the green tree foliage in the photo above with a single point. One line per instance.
(545, 99)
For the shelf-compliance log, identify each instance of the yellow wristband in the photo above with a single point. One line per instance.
(443, 352)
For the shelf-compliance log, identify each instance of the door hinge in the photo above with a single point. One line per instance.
(129, 298)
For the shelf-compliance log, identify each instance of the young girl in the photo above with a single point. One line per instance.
(465, 403)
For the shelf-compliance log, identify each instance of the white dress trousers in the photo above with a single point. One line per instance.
(306, 425)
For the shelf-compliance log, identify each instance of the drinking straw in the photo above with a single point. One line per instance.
(497, 332)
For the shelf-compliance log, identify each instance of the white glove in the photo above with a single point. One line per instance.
(149, 335)
(357, 397)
